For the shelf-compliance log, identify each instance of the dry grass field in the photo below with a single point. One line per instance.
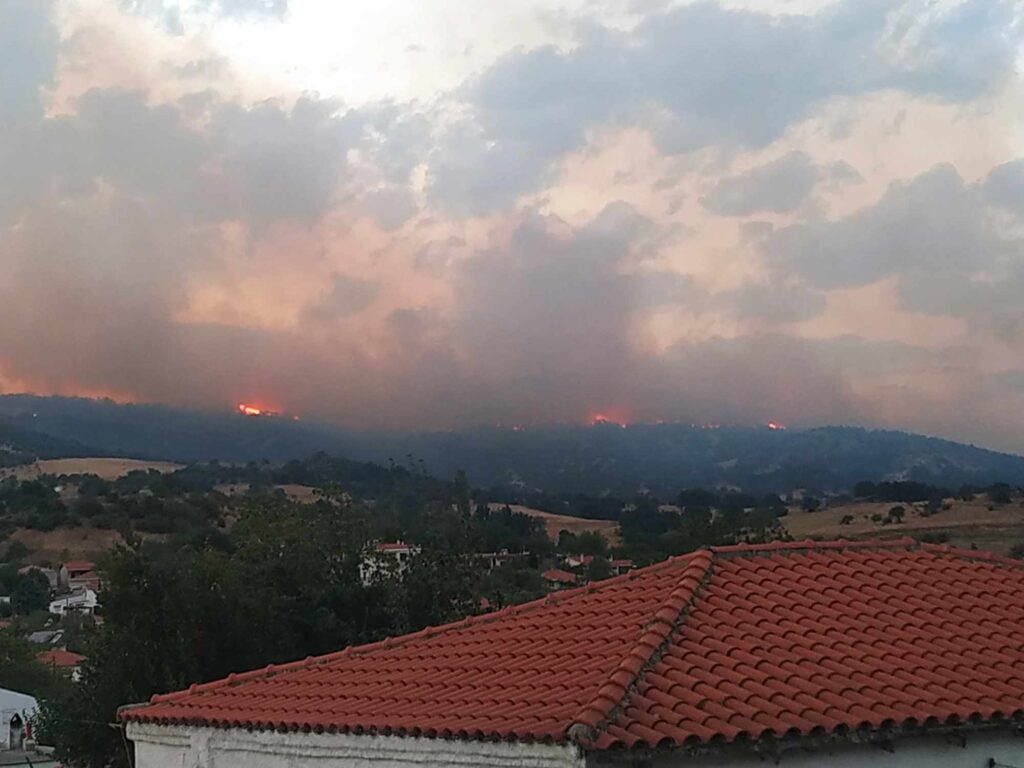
(108, 469)
(66, 543)
(965, 522)
(555, 523)
(304, 494)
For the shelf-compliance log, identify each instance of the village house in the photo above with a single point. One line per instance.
(64, 661)
(577, 561)
(492, 560)
(856, 654)
(53, 638)
(76, 574)
(386, 558)
(620, 566)
(556, 578)
(16, 711)
(83, 601)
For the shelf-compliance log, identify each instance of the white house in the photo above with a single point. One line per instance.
(386, 558)
(853, 654)
(16, 710)
(80, 601)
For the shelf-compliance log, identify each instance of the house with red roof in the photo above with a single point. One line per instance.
(65, 661)
(79, 574)
(556, 578)
(879, 653)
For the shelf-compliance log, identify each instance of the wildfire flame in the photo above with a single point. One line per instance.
(616, 417)
(775, 425)
(249, 410)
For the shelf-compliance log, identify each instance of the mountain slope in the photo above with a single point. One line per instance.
(661, 457)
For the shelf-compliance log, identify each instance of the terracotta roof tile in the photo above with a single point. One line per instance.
(59, 658)
(558, 576)
(731, 643)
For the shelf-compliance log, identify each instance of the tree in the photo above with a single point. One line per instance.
(598, 569)
(21, 671)
(283, 585)
(1000, 494)
(591, 543)
(31, 592)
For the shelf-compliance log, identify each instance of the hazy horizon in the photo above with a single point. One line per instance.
(441, 215)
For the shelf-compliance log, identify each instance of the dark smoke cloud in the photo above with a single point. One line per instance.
(116, 214)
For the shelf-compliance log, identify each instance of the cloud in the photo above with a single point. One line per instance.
(1004, 187)
(346, 296)
(235, 9)
(779, 186)
(776, 302)
(934, 223)
(700, 75)
(28, 52)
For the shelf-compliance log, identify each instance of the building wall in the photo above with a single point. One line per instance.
(1005, 749)
(192, 747)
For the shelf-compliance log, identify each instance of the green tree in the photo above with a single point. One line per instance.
(21, 671)
(591, 543)
(31, 593)
(284, 585)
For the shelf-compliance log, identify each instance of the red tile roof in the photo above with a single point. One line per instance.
(393, 546)
(62, 659)
(723, 645)
(79, 566)
(559, 576)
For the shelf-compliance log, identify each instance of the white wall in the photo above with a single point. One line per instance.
(917, 752)
(191, 747)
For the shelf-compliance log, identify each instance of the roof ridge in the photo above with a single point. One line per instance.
(555, 598)
(904, 542)
(613, 697)
(974, 555)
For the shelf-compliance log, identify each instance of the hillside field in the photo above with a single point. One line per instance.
(553, 523)
(106, 468)
(966, 523)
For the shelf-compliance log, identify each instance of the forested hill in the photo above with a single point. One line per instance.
(20, 446)
(589, 459)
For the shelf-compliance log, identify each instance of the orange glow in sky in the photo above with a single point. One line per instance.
(611, 415)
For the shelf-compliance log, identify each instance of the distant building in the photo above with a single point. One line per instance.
(386, 558)
(559, 579)
(65, 661)
(16, 712)
(79, 573)
(492, 560)
(82, 601)
(53, 638)
(577, 561)
(620, 566)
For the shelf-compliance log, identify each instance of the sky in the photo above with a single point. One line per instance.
(447, 213)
